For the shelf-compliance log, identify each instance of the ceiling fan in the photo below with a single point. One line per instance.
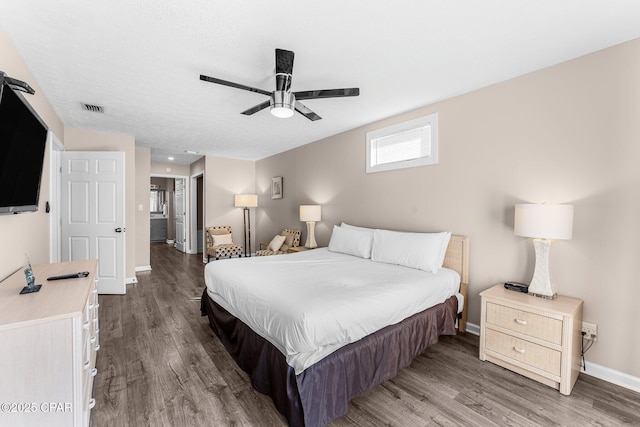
(282, 101)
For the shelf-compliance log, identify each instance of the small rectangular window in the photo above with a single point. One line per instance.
(408, 144)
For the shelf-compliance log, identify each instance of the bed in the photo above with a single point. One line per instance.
(284, 321)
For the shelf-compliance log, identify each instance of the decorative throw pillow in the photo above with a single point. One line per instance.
(288, 239)
(351, 241)
(222, 239)
(276, 243)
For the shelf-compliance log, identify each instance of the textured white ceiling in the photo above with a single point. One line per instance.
(141, 60)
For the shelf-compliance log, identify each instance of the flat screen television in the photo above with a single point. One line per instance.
(23, 139)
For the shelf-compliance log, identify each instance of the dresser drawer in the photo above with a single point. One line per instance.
(534, 355)
(524, 322)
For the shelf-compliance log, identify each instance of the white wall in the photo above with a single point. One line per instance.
(28, 232)
(223, 179)
(143, 217)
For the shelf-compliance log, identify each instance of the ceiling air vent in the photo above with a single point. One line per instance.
(93, 108)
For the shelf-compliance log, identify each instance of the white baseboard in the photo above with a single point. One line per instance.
(473, 329)
(612, 376)
(143, 268)
(131, 280)
(593, 369)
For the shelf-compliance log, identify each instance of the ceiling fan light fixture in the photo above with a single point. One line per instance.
(282, 104)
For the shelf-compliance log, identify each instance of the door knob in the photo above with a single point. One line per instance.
(120, 230)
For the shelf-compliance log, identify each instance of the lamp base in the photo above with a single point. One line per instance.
(311, 236)
(541, 284)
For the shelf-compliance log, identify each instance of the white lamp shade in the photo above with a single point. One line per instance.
(246, 201)
(544, 221)
(310, 213)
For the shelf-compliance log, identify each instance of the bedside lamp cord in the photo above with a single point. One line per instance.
(584, 350)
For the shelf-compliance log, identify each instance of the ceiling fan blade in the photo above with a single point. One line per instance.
(305, 111)
(256, 108)
(232, 84)
(327, 93)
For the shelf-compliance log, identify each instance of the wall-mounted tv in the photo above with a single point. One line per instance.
(23, 139)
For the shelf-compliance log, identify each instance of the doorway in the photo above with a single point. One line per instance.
(169, 213)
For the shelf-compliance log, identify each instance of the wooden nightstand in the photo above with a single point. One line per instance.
(535, 337)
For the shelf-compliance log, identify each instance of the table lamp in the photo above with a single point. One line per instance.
(544, 223)
(310, 214)
(246, 201)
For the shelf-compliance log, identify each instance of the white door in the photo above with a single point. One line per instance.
(93, 214)
(180, 213)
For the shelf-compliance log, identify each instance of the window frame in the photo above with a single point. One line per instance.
(430, 120)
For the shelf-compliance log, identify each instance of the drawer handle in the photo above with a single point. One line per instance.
(520, 321)
(97, 347)
(92, 403)
(90, 306)
(94, 372)
(97, 305)
(94, 290)
(518, 350)
(87, 364)
(92, 340)
(85, 325)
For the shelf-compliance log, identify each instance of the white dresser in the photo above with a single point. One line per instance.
(48, 344)
(535, 337)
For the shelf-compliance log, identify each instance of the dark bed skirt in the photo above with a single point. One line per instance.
(322, 392)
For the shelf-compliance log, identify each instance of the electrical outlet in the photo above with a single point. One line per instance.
(590, 330)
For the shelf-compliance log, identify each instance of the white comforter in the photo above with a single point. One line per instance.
(311, 303)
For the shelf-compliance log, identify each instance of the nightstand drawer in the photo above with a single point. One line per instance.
(524, 322)
(534, 355)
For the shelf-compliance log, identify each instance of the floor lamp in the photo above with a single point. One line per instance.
(311, 214)
(246, 201)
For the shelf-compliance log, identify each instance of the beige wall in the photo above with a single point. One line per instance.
(566, 134)
(27, 232)
(89, 140)
(143, 225)
(197, 167)
(225, 178)
(169, 169)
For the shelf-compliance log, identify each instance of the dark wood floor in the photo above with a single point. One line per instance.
(161, 365)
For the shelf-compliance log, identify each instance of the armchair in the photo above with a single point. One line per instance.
(220, 243)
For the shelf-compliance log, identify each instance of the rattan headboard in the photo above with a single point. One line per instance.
(457, 256)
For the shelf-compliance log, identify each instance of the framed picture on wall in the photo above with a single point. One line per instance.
(276, 187)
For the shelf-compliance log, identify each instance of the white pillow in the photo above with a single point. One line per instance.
(351, 241)
(355, 227)
(276, 243)
(423, 251)
(222, 239)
